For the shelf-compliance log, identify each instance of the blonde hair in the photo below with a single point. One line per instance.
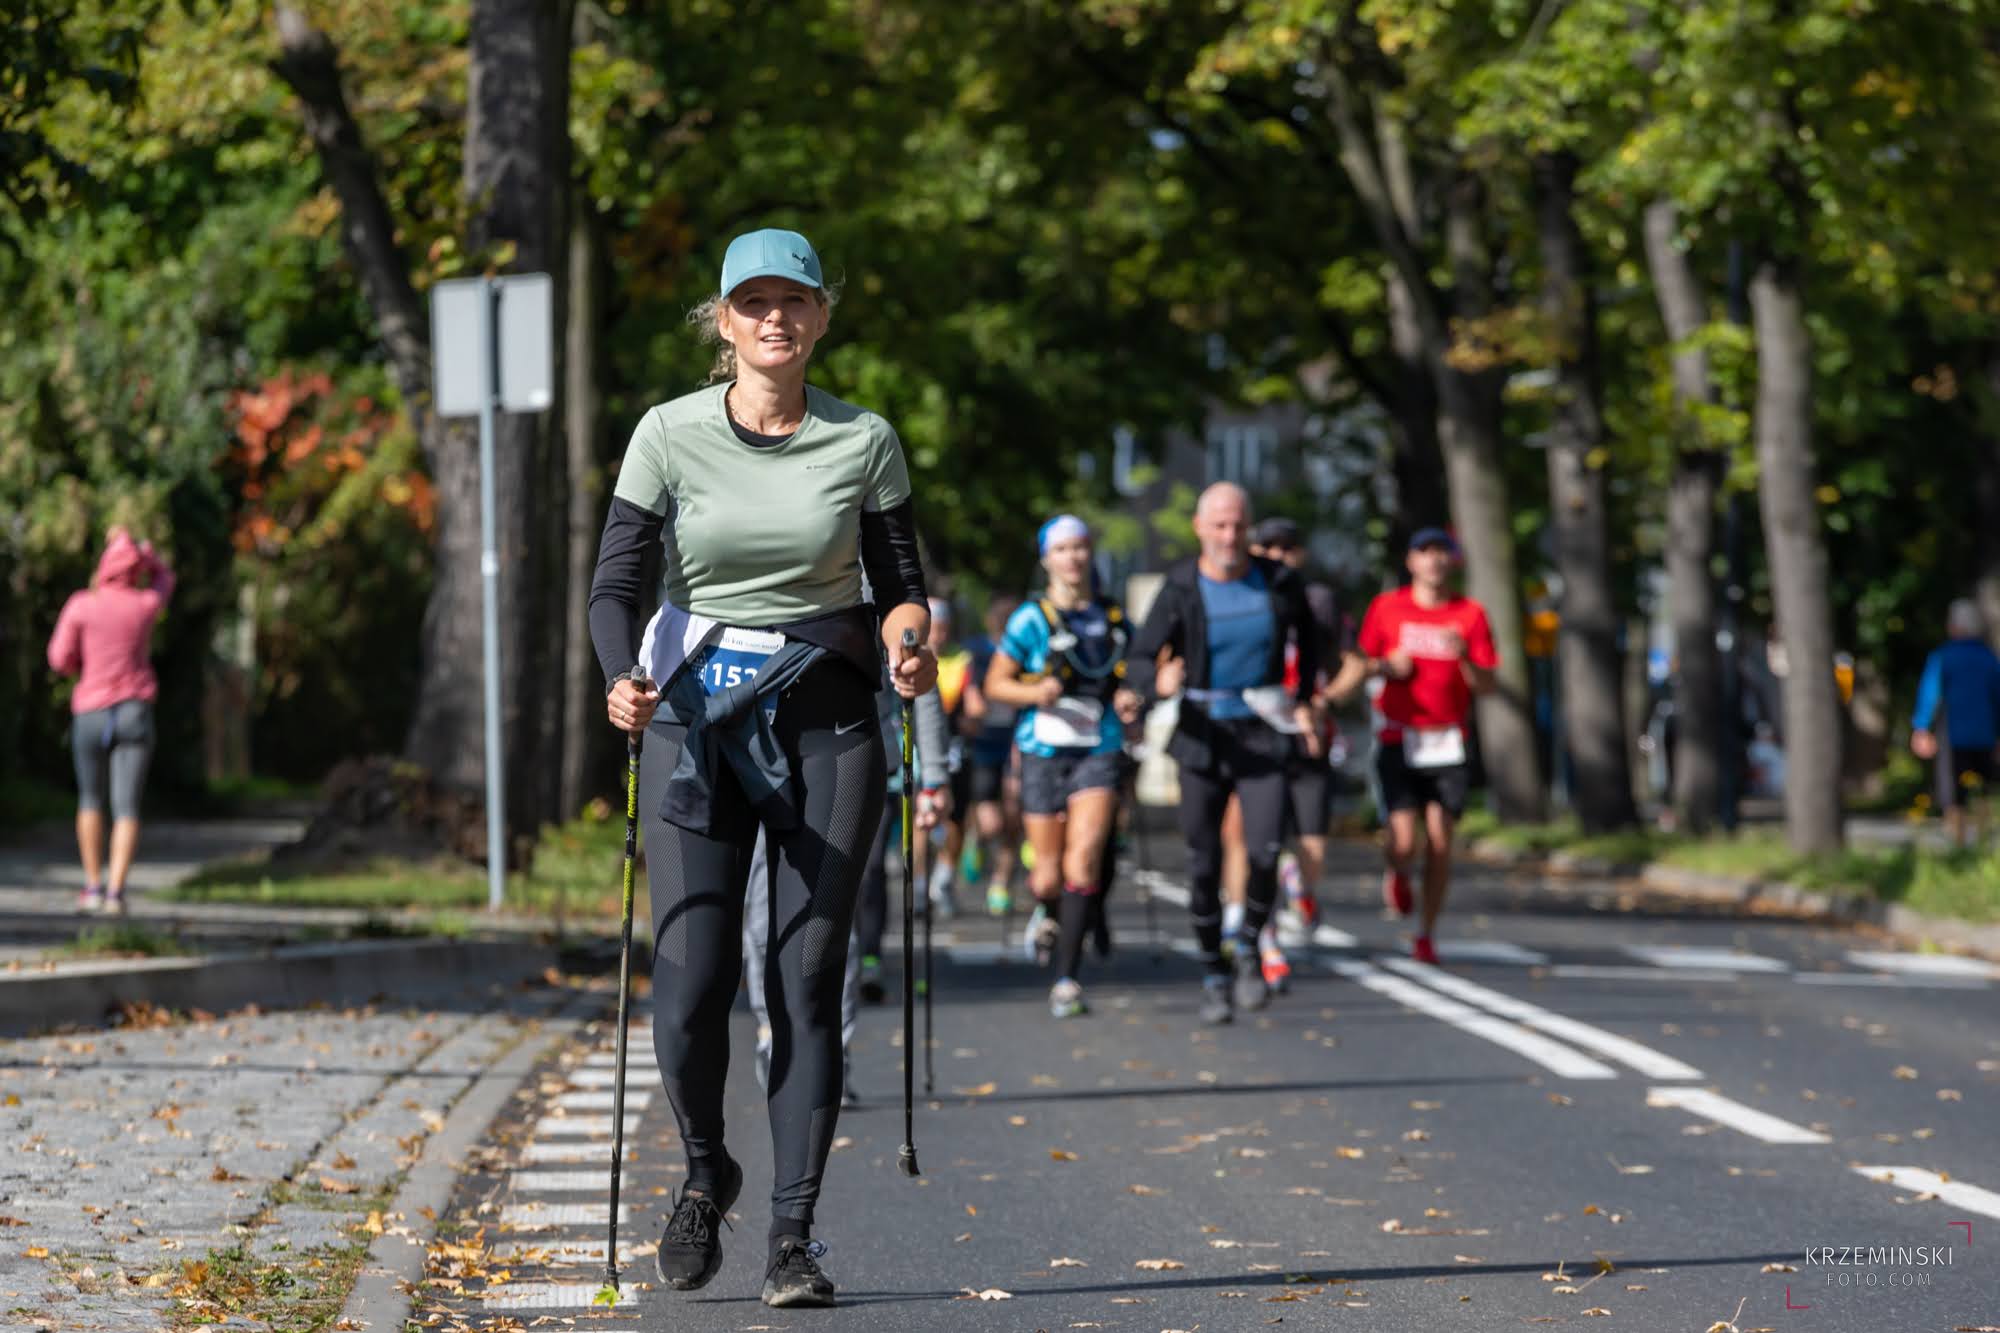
(705, 318)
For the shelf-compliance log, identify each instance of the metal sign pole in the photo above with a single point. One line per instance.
(489, 593)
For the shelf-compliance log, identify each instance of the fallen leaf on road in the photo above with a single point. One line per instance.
(1350, 1153)
(37, 1252)
(1067, 1263)
(1625, 1170)
(982, 1090)
(1393, 1224)
(1416, 1135)
(223, 1173)
(1778, 1268)
(1063, 1155)
(1905, 1073)
(1220, 1244)
(1950, 1095)
(1565, 1290)
(1426, 1106)
(1591, 1210)
(1159, 1265)
(12, 1222)
(1557, 1099)
(961, 1238)
(989, 1294)
(842, 1142)
(333, 1186)
(1466, 1259)
(1017, 1120)
(1140, 1189)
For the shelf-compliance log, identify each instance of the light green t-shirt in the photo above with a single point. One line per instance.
(762, 536)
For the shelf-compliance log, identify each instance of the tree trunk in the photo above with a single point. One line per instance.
(590, 750)
(516, 172)
(516, 179)
(1468, 421)
(1419, 463)
(1796, 551)
(1698, 471)
(1987, 486)
(1593, 708)
(1469, 432)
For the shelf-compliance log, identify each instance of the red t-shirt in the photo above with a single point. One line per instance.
(1437, 695)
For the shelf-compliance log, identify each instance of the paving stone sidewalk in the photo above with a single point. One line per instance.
(138, 1167)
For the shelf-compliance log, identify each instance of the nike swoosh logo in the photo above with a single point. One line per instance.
(852, 726)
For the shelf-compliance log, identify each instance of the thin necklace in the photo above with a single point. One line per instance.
(729, 406)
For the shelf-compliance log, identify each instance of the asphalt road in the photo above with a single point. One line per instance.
(1690, 1108)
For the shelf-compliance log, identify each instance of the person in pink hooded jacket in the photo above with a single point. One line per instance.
(101, 637)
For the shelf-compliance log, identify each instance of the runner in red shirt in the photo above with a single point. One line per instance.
(1433, 650)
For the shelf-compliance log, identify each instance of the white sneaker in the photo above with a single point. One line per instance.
(1031, 936)
(1066, 999)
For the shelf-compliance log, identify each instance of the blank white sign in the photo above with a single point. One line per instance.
(461, 354)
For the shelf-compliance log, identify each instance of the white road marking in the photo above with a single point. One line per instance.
(595, 1078)
(635, 1100)
(1923, 964)
(576, 1150)
(1159, 886)
(598, 1126)
(563, 1251)
(635, 1055)
(548, 1216)
(1550, 1055)
(553, 1296)
(1898, 983)
(1625, 1051)
(1695, 955)
(1744, 1119)
(1957, 1193)
(1489, 951)
(561, 1182)
(1595, 972)
(1331, 937)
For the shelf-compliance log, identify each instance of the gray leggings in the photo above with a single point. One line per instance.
(112, 747)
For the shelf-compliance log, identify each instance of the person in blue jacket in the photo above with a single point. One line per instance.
(1963, 676)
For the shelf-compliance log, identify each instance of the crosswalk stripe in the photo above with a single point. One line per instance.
(1625, 1051)
(1743, 1119)
(561, 1182)
(554, 1126)
(575, 1150)
(635, 1099)
(1700, 956)
(1330, 937)
(595, 1078)
(1957, 1193)
(638, 1057)
(560, 1252)
(1553, 1056)
(553, 1296)
(548, 1216)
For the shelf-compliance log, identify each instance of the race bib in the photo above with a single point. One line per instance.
(1274, 705)
(1433, 747)
(735, 658)
(1070, 724)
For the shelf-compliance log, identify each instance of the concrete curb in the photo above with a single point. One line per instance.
(349, 972)
(384, 1291)
(1767, 895)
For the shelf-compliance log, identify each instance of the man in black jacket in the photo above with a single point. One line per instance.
(1219, 627)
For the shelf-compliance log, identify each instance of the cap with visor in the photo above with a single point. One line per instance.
(770, 253)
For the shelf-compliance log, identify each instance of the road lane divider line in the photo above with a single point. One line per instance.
(1551, 1055)
(1970, 1198)
(1644, 1059)
(1924, 964)
(1701, 956)
(1893, 982)
(1733, 1114)
(1612, 972)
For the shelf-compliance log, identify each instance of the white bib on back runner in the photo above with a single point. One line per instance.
(1433, 747)
(1070, 724)
(1274, 707)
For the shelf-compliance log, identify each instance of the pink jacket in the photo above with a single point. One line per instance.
(102, 632)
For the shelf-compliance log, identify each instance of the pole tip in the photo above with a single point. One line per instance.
(906, 1160)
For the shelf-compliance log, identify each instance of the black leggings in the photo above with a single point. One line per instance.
(1243, 761)
(698, 886)
(873, 913)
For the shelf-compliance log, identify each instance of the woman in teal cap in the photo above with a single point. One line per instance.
(767, 498)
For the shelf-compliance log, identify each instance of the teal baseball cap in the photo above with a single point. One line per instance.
(770, 253)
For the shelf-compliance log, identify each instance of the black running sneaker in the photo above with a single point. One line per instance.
(690, 1252)
(1252, 991)
(794, 1279)
(1215, 1003)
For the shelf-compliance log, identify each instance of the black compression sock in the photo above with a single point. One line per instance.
(788, 1228)
(1073, 917)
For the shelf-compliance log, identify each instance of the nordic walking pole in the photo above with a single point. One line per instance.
(632, 741)
(930, 912)
(906, 1156)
